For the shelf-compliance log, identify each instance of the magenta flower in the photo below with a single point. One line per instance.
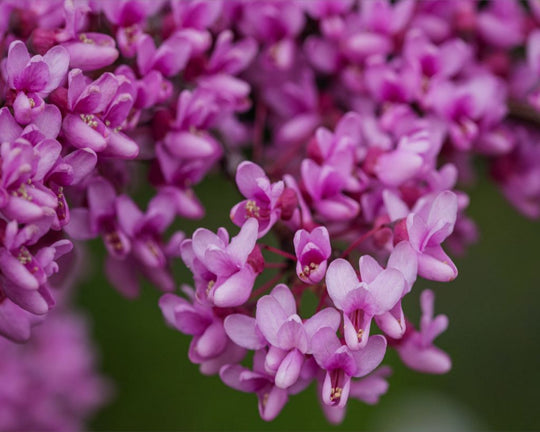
(222, 271)
(312, 250)
(210, 347)
(33, 78)
(262, 197)
(360, 301)
(341, 364)
(98, 113)
(271, 397)
(416, 347)
(25, 266)
(100, 218)
(403, 258)
(51, 382)
(23, 196)
(289, 338)
(427, 227)
(326, 186)
(368, 390)
(278, 325)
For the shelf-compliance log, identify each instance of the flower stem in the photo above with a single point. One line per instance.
(359, 240)
(279, 252)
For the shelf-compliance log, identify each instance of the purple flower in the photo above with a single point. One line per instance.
(98, 113)
(416, 347)
(262, 197)
(210, 347)
(25, 266)
(231, 58)
(148, 253)
(426, 226)
(325, 186)
(403, 258)
(289, 338)
(312, 250)
(100, 217)
(340, 363)
(278, 325)
(223, 274)
(271, 397)
(430, 223)
(169, 58)
(33, 78)
(368, 390)
(360, 301)
(51, 382)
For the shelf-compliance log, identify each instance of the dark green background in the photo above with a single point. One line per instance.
(492, 339)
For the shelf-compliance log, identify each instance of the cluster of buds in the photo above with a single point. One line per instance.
(347, 125)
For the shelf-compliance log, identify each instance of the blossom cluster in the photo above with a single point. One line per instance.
(346, 125)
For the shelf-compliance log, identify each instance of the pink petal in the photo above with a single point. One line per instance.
(387, 289)
(57, 58)
(243, 331)
(328, 317)
(369, 268)
(289, 369)
(242, 245)
(17, 59)
(370, 356)
(284, 296)
(235, 290)
(324, 344)
(291, 335)
(435, 265)
(271, 404)
(404, 259)
(340, 280)
(270, 317)
(247, 174)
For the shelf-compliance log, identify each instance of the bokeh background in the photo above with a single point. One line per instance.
(493, 339)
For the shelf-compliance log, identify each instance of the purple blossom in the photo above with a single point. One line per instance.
(271, 397)
(262, 197)
(416, 347)
(368, 390)
(360, 301)
(341, 364)
(98, 113)
(210, 347)
(33, 78)
(222, 271)
(50, 382)
(429, 223)
(312, 250)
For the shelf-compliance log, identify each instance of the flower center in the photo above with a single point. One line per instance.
(252, 209)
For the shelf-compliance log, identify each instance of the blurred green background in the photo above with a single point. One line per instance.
(492, 339)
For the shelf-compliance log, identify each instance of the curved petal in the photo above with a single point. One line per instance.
(340, 280)
(235, 290)
(243, 331)
(371, 356)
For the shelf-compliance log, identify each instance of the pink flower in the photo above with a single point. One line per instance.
(312, 250)
(416, 348)
(341, 364)
(222, 272)
(360, 301)
(262, 197)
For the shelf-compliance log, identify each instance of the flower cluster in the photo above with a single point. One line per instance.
(346, 126)
(49, 383)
